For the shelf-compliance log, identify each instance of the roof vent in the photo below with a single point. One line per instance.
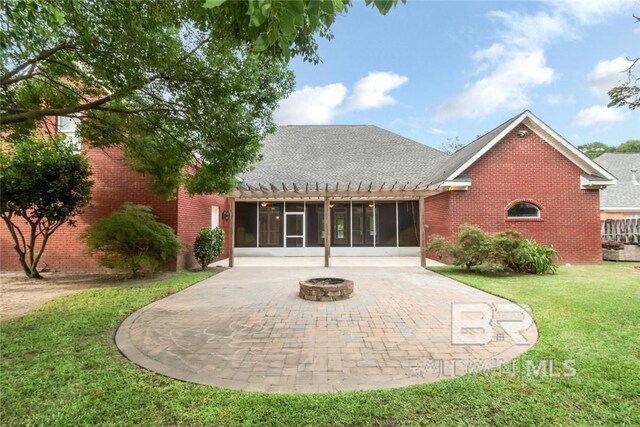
(635, 176)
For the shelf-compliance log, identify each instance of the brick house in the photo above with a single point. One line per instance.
(114, 185)
(382, 195)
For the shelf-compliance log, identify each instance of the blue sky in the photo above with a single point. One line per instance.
(437, 70)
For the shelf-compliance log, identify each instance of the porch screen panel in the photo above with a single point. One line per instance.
(408, 223)
(362, 223)
(270, 228)
(246, 221)
(386, 224)
(314, 217)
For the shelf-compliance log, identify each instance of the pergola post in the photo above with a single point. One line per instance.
(232, 229)
(327, 231)
(423, 254)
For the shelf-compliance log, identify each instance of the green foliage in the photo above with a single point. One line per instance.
(595, 149)
(208, 245)
(472, 247)
(537, 258)
(286, 28)
(173, 84)
(187, 88)
(504, 250)
(630, 146)
(131, 239)
(44, 183)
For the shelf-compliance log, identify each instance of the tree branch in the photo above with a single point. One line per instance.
(38, 114)
(4, 79)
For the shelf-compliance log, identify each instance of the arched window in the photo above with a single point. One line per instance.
(523, 210)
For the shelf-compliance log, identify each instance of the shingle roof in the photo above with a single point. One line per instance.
(342, 153)
(465, 153)
(626, 193)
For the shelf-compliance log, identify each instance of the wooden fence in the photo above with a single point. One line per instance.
(621, 230)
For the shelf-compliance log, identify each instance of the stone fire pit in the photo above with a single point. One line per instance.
(326, 289)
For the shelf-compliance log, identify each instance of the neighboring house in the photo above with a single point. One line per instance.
(623, 200)
(382, 194)
(114, 185)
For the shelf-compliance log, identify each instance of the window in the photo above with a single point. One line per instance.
(523, 210)
(68, 126)
(215, 217)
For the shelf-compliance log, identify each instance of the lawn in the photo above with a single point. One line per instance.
(60, 367)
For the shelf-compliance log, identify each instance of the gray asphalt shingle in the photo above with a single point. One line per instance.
(342, 153)
(626, 193)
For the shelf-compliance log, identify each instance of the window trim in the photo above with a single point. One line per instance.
(538, 217)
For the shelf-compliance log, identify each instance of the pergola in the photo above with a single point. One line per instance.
(334, 191)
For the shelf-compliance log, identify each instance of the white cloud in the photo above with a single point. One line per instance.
(597, 114)
(531, 31)
(505, 87)
(437, 131)
(515, 64)
(320, 104)
(311, 105)
(607, 74)
(593, 11)
(373, 91)
(557, 98)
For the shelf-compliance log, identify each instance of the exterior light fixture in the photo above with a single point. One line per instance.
(264, 204)
(226, 215)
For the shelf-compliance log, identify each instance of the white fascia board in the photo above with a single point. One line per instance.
(568, 150)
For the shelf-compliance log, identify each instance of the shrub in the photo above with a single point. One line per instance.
(208, 245)
(472, 248)
(536, 258)
(506, 249)
(439, 245)
(131, 239)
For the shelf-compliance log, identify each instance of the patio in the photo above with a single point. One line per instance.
(247, 329)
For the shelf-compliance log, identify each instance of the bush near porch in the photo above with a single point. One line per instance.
(502, 251)
(60, 367)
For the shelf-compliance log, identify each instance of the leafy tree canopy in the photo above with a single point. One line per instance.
(44, 185)
(631, 146)
(595, 149)
(180, 86)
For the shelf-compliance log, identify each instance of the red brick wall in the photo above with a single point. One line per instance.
(194, 212)
(527, 169)
(114, 185)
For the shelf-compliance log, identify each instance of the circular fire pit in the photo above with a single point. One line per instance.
(326, 289)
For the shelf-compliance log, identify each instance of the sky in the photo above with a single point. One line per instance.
(434, 71)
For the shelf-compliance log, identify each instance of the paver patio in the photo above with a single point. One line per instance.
(247, 329)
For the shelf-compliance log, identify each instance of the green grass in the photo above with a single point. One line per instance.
(59, 366)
